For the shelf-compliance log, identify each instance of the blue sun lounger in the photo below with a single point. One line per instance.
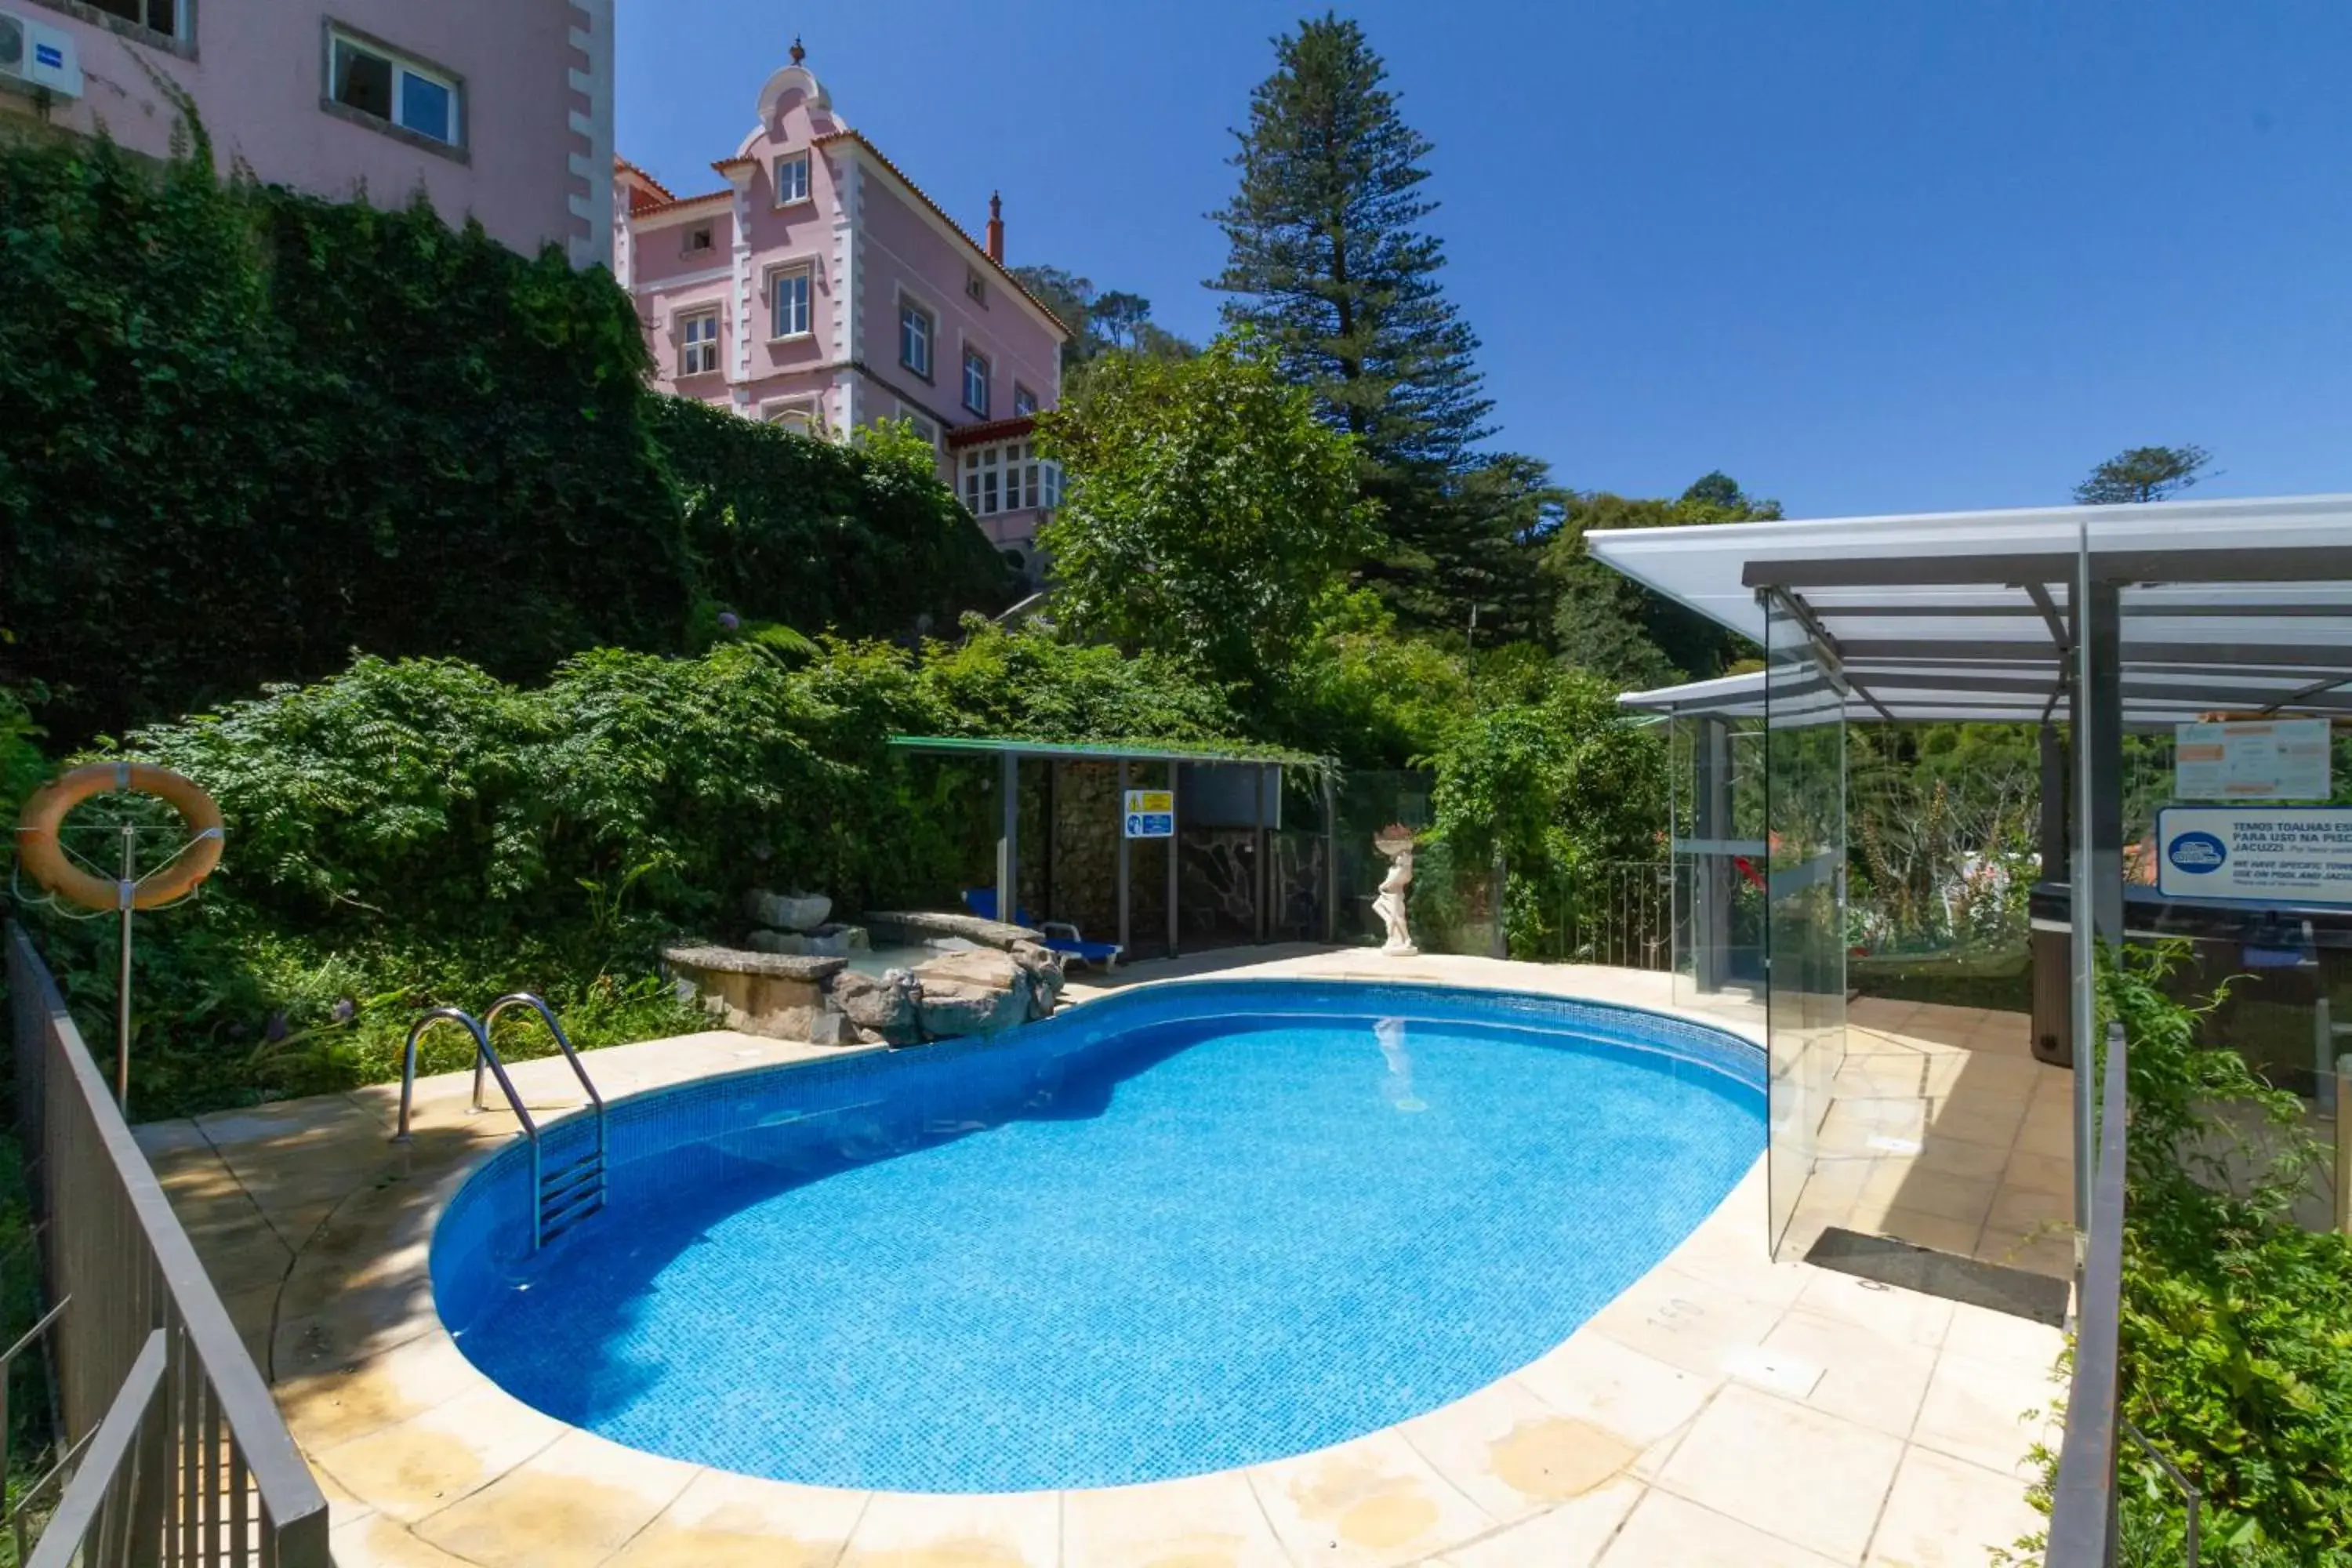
(1061, 936)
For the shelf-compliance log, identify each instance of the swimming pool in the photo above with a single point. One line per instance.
(1183, 1228)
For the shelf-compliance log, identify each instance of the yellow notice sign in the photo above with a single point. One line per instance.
(1151, 814)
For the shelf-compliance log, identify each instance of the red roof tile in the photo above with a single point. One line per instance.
(991, 430)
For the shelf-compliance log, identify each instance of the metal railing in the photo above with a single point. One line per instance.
(1618, 912)
(2082, 1523)
(183, 1456)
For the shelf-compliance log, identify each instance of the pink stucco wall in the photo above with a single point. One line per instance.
(905, 257)
(257, 72)
(866, 240)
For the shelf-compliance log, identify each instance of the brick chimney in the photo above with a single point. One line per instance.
(996, 227)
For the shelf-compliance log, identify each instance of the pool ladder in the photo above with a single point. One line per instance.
(561, 1198)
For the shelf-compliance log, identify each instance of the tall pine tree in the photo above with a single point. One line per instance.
(1327, 262)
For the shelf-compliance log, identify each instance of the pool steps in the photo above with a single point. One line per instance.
(571, 1192)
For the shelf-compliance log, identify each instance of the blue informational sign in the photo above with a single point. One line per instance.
(2270, 855)
(1150, 814)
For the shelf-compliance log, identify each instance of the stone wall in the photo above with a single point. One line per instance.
(1084, 853)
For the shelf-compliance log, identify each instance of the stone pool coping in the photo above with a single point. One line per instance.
(1723, 1408)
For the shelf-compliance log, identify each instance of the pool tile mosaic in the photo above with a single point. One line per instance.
(1171, 1233)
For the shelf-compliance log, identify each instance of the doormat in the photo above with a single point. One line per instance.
(1993, 1286)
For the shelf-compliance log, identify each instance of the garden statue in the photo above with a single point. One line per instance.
(1396, 843)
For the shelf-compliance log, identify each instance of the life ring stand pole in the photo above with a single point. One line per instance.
(126, 898)
(39, 853)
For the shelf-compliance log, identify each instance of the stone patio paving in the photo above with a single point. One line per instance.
(1726, 1409)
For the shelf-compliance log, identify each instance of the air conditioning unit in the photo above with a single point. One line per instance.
(32, 54)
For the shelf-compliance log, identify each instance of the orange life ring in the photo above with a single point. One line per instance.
(37, 835)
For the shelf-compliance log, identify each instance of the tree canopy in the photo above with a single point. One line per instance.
(1215, 513)
(2142, 474)
(1329, 260)
(1605, 622)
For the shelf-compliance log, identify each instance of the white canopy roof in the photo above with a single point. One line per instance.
(2242, 606)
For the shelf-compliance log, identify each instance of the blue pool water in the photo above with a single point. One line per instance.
(1173, 1231)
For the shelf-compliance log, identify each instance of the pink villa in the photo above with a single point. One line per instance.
(500, 110)
(823, 290)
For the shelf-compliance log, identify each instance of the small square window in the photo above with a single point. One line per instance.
(975, 382)
(789, 295)
(1024, 402)
(975, 287)
(915, 339)
(697, 337)
(698, 239)
(155, 15)
(392, 87)
(792, 178)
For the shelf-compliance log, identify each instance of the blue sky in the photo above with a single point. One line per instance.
(1865, 256)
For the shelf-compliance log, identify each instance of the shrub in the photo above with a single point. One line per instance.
(1554, 776)
(2236, 1330)
(416, 831)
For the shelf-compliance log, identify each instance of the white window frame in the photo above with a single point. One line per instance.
(807, 192)
(690, 342)
(975, 287)
(806, 271)
(927, 370)
(1001, 476)
(1024, 402)
(686, 236)
(809, 412)
(972, 356)
(400, 65)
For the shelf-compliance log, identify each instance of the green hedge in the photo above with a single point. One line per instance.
(416, 831)
(244, 432)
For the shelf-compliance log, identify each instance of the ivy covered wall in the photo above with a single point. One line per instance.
(246, 432)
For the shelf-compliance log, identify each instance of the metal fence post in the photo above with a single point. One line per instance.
(2343, 1144)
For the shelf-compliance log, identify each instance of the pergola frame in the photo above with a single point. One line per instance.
(1265, 766)
(2149, 616)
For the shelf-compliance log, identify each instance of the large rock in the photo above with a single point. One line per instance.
(950, 1008)
(787, 911)
(1044, 967)
(881, 1006)
(981, 966)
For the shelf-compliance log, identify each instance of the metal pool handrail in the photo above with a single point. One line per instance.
(2083, 1501)
(564, 1043)
(484, 1053)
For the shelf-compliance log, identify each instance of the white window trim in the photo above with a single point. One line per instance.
(930, 373)
(808, 179)
(811, 404)
(992, 478)
(975, 287)
(987, 382)
(776, 271)
(680, 323)
(1020, 391)
(401, 61)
